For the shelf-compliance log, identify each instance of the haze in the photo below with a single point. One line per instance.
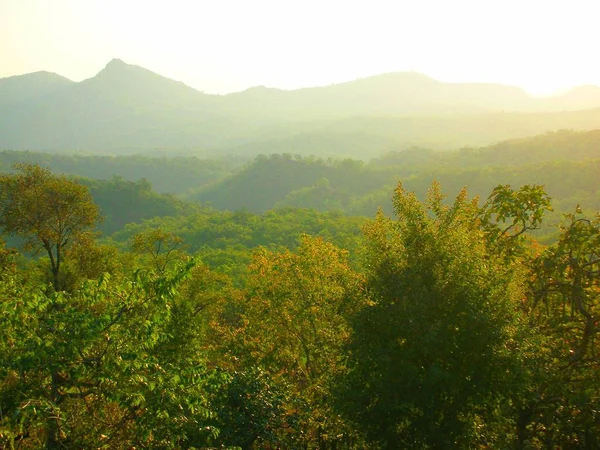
(228, 45)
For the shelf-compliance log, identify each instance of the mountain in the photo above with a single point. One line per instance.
(126, 108)
(405, 93)
(22, 88)
(123, 106)
(581, 97)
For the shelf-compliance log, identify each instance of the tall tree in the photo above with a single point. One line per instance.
(48, 211)
(436, 354)
(293, 324)
(564, 304)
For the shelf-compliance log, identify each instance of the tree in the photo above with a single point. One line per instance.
(509, 214)
(49, 212)
(95, 368)
(162, 248)
(7, 257)
(87, 259)
(564, 304)
(436, 355)
(293, 325)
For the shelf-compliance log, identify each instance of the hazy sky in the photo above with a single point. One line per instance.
(229, 45)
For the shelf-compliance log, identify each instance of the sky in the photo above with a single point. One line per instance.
(220, 46)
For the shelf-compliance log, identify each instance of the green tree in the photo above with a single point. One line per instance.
(251, 411)
(436, 356)
(293, 324)
(564, 304)
(88, 259)
(49, 212)
(161, 248)
(7, 257)
(94, 368)
(509, 214)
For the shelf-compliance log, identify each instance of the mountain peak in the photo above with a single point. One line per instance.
(118, 69)
(115, 62)
(116, 65)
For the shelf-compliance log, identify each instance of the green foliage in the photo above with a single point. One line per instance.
(565, 162)
(565, 305)
(122, 202)
(288, 180)
(89, 368)
(175, 175)
(293, 324)
(86, 259)
(251, 411)
(7, 257)
(49, 212)
(437, 353)
(446, 327)
(159, 247)
(523, 210)
(225, 240)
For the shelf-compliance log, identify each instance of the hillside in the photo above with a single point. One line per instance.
(404, 93)
(18, 90)
(129, 109)
(350, 185)
(197, 328)
(567, 162)
(167, 175)
(366, 137)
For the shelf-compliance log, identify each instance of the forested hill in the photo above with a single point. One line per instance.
(567, 162)
(175, 175)
(126, 108)
(268, 180)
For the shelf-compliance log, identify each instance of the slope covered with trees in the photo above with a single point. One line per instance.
(444, 326)
(566, 162)
(172, 175)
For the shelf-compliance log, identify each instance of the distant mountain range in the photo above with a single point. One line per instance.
(126, 108)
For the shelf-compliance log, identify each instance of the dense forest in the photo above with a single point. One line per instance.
(296, 302)
(130, 189)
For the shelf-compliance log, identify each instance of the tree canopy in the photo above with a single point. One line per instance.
(49, 212)
(445, 325)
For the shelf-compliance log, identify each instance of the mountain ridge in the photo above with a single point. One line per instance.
(125, 107)
(19, 88)
(119, 64)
